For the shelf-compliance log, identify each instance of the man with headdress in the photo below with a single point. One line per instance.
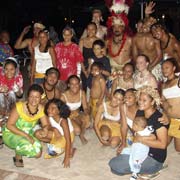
(119, 44)
(97, 19)
(29, 43)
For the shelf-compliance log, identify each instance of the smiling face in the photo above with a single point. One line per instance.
(34, 98)
(145, 102)
(141, 63)
(157, 32)
(53, 111)
(97, 50)
(9, 70)
(43, 38)
(117, 99)
(67, 35)
(51, 79)
(5, 37)
(91, 30)
(130, 98)
(127, 72)
(168, 69)
(74, 85)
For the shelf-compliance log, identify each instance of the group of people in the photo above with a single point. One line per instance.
(125, 88)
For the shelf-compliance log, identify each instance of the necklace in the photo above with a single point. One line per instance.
(167, 43)
(120, 48)
(29, 111)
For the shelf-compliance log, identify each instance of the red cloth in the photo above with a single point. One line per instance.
(67, 59)
(18, 80)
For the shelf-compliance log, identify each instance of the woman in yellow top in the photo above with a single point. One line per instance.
(18, 134)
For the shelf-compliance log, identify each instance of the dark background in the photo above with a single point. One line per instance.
(14, 15)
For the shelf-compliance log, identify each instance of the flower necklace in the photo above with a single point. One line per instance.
(29, 111)
(121, 47)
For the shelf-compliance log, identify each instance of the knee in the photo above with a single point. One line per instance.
(39, 154)
(77, 131)
(114, 144)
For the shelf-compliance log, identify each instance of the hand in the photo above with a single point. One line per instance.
(30, 139)
(43, 132)
(3, 89)
(105, 143)
(120, 148)
(66, 162)
(164, 119)
(26, 29)
(138, 138)
(149, 8)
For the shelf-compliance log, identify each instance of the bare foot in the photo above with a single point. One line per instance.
(73, 150)
(83, 139)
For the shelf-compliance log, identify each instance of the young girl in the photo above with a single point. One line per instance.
(60, 137)
(11, 85)
(44, 57)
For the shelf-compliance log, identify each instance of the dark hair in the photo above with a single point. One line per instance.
(159, 25)
(171, 60)
(97, 64)
(48, 45)
(99, 42)
(64, 110)
(131, 90)
(9, 61)
(92, 23)
(73, 77)
(145, 57)
(120, 91)
(53, 70)
(130, 64)
(140, 121)
(35, 87)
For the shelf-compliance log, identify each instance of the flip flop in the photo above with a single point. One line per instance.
(48, 156)
(18, 162)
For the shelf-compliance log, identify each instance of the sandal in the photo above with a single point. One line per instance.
(18, 162)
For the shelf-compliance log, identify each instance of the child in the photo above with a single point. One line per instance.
(98, 49)
(138, 151)
(98, 88)
(61, 136)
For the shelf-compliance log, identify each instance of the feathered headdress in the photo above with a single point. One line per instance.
(119, 11)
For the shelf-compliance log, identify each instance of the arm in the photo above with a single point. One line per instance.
(11, 125)
(158, 56)
(177, 49)
(152, 81)
(33, 67)
(85, 104)
(124, 129)
(114, 86)
(134, 49)
(53, 56)
(67, 136)
(149, 8)
(20, 44)
(81, 42)
(160, 142)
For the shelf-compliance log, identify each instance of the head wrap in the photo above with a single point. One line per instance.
(119, 11)
(39, 25)
(151, 92)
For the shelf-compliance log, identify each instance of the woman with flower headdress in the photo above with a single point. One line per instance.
(44, 57)
(148, 101)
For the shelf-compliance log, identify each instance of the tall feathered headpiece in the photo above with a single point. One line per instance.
(119, 11)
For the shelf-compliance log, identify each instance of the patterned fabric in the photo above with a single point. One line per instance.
(67, 59)
(19, 143)
(5, 52)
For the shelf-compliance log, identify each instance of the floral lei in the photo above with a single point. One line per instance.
(121, 47)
